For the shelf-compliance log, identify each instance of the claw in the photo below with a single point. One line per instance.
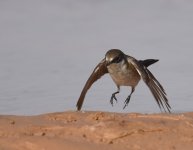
(113, 97)
(127, 101)
(129, 97)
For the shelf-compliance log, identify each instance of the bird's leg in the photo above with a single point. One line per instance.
(129, 97)
(113, 95)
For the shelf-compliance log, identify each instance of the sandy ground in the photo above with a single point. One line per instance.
(97, 130)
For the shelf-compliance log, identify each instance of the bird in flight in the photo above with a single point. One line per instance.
(126, 71)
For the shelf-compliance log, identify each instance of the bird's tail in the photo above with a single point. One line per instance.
(148, 62)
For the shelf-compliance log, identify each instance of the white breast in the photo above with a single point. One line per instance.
(123, 75)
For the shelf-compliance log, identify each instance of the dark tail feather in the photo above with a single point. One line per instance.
(148, 62)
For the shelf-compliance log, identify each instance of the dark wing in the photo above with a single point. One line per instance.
(99, 71)
(153, 84)
(148, 62)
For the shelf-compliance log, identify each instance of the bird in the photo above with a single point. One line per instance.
(125, 70)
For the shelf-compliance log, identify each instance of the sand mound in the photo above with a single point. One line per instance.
(97, 130)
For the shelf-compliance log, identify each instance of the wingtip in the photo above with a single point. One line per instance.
(78, 107)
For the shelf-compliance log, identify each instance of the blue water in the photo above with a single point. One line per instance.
(49, 48)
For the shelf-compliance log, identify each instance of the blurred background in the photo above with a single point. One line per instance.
(48, 49)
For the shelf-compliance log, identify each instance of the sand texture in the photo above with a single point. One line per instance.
(97, 130)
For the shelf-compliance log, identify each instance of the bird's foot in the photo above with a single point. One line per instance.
(113, 97)
(127, 101)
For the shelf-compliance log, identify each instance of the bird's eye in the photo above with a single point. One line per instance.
(117, 59)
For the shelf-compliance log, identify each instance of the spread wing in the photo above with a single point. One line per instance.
(155, 87)
(99, 71)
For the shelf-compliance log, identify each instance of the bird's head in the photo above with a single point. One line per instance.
(114, 56)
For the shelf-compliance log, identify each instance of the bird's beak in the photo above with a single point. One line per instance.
(108, 61)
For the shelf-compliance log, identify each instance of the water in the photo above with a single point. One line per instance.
(49, 48)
